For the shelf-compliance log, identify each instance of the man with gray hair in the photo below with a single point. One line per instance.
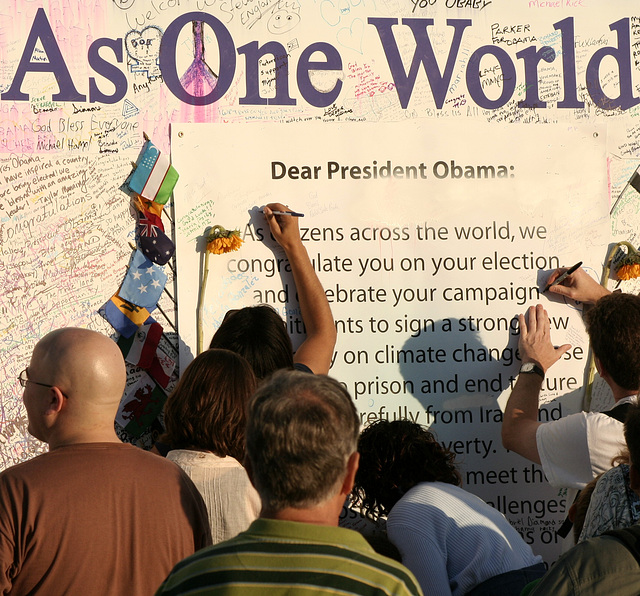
(302, 433)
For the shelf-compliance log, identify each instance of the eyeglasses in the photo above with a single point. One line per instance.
(22, 377)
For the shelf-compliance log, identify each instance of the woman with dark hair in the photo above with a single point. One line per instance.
(205, 419)
(452, 540)
(258, 333)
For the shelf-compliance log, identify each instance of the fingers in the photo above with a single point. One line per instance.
(522, 323)
(555, 275)
(284, 228)
(562, 350)
(277, 206)
(532, 319)
(542, 320)
(561, 290)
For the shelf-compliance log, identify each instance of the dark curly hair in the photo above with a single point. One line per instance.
(613, 325)
(394, 457)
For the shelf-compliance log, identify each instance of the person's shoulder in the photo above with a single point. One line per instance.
(200, 563)
(153, 462)
(350, 549)
(390, 571)
(572, 423)
(592, 567)
(302, 367)
(251, 548)
(23, 469)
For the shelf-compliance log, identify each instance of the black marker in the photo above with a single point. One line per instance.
(564, 276)
(291, 213)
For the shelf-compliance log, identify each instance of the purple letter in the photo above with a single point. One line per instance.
(334, 62)
(168, 58)
(280, 74)
(531, 59)
(622, 55)
(107, 70)
(568, 65)
(41, 29)
(423, 55)
(507, 69)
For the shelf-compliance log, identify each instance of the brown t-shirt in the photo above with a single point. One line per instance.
(96, 518)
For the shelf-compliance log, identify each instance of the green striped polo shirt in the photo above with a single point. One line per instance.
(284, 557)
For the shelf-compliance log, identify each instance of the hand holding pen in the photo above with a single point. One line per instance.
(290, 213)
(575, 283)
(283, 225)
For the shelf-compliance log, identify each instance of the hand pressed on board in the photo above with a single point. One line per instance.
(535, 339)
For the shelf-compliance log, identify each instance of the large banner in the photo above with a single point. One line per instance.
(446, 154)
(428, 248)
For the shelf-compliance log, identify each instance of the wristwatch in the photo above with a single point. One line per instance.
(530, 367)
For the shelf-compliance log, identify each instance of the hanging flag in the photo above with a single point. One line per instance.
(140, 406)
(143, 283)
(154, 177)
(158, 248)
(140, 349)
(149, 223)
(124, 316)
(143, 207)
(162, 368)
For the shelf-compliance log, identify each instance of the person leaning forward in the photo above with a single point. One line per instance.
(93, 515)
(605, 564)
(301, 436)
(576, 448)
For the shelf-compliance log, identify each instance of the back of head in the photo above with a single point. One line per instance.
(207, 409)
(394, 457)
(301, 431)
(87, 366)
(613, 325)
(258, 334)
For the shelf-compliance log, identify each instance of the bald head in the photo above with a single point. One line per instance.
(88, 369)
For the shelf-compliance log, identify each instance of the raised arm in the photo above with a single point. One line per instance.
(316, 350)
(577, 286)
(520, 421)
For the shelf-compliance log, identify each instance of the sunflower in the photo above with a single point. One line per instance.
(629, 265)
(219, 242)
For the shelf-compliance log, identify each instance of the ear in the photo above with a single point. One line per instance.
(634, 478)
(55, 402)
(598, 364)
(350, 476)
(601, 371)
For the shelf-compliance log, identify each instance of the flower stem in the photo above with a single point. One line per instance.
(203, 287)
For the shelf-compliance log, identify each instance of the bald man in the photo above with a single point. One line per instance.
(94, 515)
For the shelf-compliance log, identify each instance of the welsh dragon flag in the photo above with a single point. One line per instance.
(154, 176)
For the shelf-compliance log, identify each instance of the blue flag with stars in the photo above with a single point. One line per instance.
(143, 283)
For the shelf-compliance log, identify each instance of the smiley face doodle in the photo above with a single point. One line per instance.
(143, 49)
(285, 16)
(124, 4)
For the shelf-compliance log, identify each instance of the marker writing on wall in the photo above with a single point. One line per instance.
(291, 213)
(564, 276)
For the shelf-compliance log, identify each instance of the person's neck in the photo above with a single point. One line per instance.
(619, 393)
(64, 439)
(324, 514)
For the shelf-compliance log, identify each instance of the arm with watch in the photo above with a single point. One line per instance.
(538, 354)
